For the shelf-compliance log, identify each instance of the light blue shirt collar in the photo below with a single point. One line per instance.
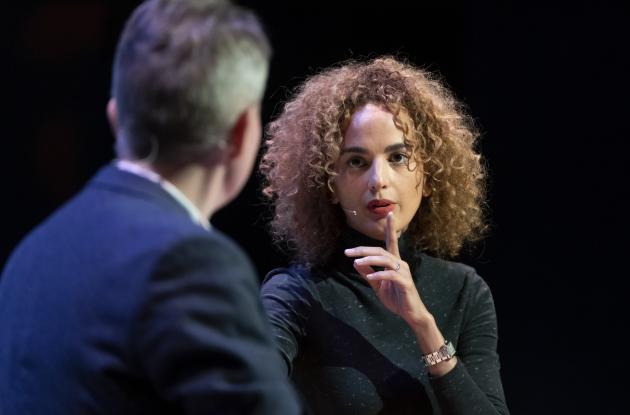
(170, 188)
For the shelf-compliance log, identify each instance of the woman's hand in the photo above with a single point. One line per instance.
(394, 285)
(396, 290)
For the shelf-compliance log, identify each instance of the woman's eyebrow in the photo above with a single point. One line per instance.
(395, 147)
(361, 150)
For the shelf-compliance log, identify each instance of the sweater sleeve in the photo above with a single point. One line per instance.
(474, 385)
(287, 300)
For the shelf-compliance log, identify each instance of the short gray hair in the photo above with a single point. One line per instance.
(183, 72)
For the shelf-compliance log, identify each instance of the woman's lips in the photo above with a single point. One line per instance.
(381, 207)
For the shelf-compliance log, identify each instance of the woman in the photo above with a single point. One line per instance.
(373, 174)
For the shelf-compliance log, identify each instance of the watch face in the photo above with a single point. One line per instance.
(447, 351)
(443, 353)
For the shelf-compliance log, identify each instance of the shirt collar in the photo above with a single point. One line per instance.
(170, 188)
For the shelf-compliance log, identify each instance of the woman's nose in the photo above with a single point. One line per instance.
(378, 178)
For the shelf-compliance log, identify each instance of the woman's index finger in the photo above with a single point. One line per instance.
(391, 240)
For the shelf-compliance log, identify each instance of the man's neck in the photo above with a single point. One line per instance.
(202, 186)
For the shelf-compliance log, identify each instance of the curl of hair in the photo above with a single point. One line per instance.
(304, 142)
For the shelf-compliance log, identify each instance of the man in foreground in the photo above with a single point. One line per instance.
(125, 300)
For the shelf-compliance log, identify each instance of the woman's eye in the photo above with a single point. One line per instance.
(355, 162)
(399, 158)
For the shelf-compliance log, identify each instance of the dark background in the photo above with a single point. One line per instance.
(546, 83)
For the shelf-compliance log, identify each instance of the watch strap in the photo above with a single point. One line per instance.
(444, 353)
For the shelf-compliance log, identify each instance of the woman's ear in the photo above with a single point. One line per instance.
(333, 198)
(331, 188)
(427, 190)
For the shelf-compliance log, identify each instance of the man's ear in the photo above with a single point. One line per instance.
(112, 115)
(239, 133)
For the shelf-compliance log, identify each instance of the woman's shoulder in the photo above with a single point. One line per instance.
(446, 267)
(450, 272)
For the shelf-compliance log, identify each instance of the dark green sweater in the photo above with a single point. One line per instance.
(348, 354)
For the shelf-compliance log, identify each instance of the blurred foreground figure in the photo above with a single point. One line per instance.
(125, 300)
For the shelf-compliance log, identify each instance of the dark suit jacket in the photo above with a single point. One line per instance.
(120, 304)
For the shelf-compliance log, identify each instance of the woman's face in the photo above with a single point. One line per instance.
(376, 174)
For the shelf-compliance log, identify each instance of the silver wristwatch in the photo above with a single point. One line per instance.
(446, 352)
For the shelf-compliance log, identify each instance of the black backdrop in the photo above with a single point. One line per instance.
(546, 83)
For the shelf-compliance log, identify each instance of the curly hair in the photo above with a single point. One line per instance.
(304, 142)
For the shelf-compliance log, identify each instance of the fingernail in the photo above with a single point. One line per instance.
(369, 276)
(348, 251)
(358, 261)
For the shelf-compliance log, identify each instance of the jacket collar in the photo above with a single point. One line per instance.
(114, 179)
